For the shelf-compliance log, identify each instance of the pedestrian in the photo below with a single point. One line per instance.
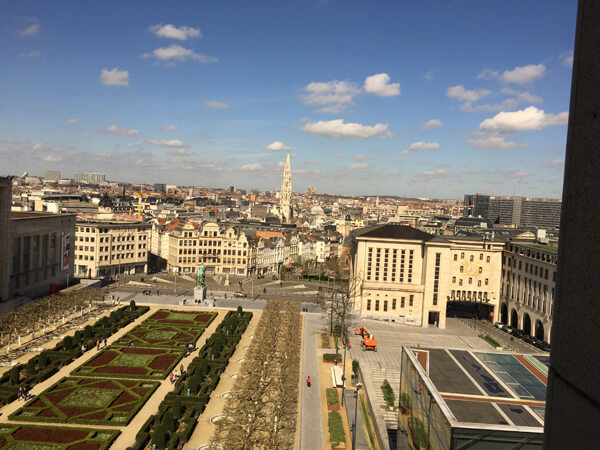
(98, 344)
(349, 345)
(308, 381)
(157, 292)
(105, 342)
(181, 369)
(171, 377)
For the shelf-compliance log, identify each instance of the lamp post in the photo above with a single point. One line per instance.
(344, 369)
(356, 396)
(429, 421)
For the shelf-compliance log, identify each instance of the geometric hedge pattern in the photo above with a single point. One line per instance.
(33, 437)
(131, 362)
(170, 329)
(88, 401)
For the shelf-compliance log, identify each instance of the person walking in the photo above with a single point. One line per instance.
(308, 381)
(171, 377)
(104, 342)
(98, 344)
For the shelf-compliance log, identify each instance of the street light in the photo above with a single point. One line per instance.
(356, 396)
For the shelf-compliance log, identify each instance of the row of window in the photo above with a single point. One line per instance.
(470, 281)
(107, 257)
(530, 268)
(472, 257)
(411, 300)
(382, 270)
(104, 230)
(468, 295)
(91, 248)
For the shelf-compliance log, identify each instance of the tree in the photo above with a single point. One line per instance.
(168, 422)
(158, 437)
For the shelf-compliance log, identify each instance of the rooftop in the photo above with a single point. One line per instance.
(389, 231)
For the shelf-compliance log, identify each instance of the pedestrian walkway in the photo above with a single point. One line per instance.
(311, 430)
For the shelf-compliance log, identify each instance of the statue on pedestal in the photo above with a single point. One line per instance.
(200, 276)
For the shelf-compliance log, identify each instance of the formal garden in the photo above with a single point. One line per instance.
(111, 387)
(26, 437)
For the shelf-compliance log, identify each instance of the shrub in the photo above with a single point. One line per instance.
(168, 422)
(158, 437)
(417, 430)
(405, 402)
(492, 341)
(68, 343)
(43, 360)
(30, 367)
(355, 366)
(132, 305)
(336, 429)
(240, 310)
(176, 409)
(14, 376)
(332, 397)
(388, 393)
(329, 357)
(88, 332)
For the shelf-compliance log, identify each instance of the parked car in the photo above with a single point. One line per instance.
(517, 333)
(542, 345)
(240, 294)
(507, 329)
(499, 325)
(529, 339)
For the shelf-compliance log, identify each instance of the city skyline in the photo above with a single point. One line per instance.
(432, 100)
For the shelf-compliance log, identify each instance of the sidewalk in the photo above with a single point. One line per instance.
(311, 430)
(361, 437)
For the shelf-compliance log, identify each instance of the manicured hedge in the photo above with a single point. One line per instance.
(388, 393)
(492, 341)
(48, 362)
(201, 378)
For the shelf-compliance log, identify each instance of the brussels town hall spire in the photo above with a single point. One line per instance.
(285, 195)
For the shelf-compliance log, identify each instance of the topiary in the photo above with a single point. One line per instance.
(68, 343)
(88, 332)
(43, 360)
(176, 408)
(132, 305)
(14, 376)
(30, 367)
(158, 437)
(168, 421)
(240, 310)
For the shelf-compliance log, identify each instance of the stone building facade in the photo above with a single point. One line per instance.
(404, 275)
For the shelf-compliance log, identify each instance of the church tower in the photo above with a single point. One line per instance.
(285, 195)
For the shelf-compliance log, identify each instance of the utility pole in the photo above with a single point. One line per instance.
(344, 369)
(356, 398)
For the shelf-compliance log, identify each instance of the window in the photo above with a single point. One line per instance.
(471, 258)
(376, 305)
(402, 300)
(480, 269)
(369, 305)
(455, 257)
(385, 305)
(411, 300)
(470, 280)
(454, 279)
(462, 269)
(478, 283)
(486, 281)
(487, 258)
(460, 282)
(481, 257)
(394, 303)
(462, 255)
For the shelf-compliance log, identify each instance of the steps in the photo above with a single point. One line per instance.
(393, 376)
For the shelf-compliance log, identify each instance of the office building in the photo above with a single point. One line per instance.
(106, 248)
(53, 175)
(89, 177)
(404, 275)
(518, 211)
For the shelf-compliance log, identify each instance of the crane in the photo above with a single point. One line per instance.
(140, 196)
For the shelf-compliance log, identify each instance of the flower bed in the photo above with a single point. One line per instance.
(47, 363)
(331, 357)
(88, 401)
(333, 403)
(34, 437)
(123, 362)
(169, 329)
(178, 412)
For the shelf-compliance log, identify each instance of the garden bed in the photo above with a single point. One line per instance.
(333, 402)
(34, 437)
(131, 362)
(80, 400)
(331, 358)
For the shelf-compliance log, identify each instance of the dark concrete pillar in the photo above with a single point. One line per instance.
(573, 402)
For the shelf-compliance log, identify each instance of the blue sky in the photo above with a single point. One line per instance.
(214, 93)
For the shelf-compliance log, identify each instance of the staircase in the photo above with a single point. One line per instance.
(393, 376)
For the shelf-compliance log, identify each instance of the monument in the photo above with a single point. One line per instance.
(200, 289)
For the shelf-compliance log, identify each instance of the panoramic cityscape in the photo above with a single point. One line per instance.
(294, 225)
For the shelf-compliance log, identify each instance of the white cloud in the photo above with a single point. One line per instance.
(175, 143)
(566, 58)
(335, 95)
(433, 123)
(339, 155)
(559, 162)
(358, 166)
(251, 167)
(418, 146)
(465, 95)
(72, 121)
(339, 130)
(52, 158)
(472, 171)
(277, 146)
(511, 172)
(530, 118)
(113, 129)
(178, 53)
(379, 84)
(30, 31)
(218, 105)
(182, 152)
(31, 54)
(428, 175)
(171, 127)
(114, 77)
(172, 32)
(509, 103)
(362, 158)
(429, 75)
(495, 142)
(518, 75)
